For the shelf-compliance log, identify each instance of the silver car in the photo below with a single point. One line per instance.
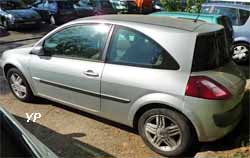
(172, 79)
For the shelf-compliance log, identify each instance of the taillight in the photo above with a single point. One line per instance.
(207, 88)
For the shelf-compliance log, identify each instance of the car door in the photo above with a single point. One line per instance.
(39, 7)
(135, 67)
(71, 68)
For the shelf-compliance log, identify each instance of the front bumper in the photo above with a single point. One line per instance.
(25, 23)
(213, 120)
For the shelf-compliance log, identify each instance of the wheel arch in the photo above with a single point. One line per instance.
(241, 40)
(9, 66)
(150, 106)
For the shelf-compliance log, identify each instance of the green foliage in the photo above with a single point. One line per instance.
(189, 5)
(175, 5)
(198, 4)
(171, 5)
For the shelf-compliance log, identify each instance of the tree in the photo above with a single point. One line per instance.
(171, 5)
(198, 4)
(189, 5)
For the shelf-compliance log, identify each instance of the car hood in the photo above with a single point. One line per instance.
(24, 13)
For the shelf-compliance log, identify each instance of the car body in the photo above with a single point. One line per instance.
(240, 18)
(16, 141)
(139, 71)
(14, 14)
(211, 18)
(55, 11)
(84, 8)
(95, 7)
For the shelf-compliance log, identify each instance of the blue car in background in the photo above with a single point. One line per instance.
(15, 13)
(240, 18)
(56, 11)
(210, 18)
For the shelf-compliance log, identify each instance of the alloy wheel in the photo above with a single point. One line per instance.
(18, 86)
(163, 133)
(240, 53)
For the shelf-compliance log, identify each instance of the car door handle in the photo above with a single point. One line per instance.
(90, 73)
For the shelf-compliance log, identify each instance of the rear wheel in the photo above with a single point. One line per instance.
(165, 131)
(19, 85)
(241, 53)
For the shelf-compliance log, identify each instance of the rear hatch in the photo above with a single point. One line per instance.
(212, 59)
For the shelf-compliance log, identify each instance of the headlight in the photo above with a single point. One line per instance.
(11, 18)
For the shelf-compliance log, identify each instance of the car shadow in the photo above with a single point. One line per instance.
(67, 145)
(239, 137)
(246, 70)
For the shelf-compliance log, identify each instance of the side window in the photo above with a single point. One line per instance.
(130, 47)
(206, 9)
(232, 13)
(244, 15)
(85, 42)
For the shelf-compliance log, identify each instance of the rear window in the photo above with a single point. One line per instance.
(211, 51)
(238, 17)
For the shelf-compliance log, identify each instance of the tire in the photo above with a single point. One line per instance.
(18, 86)
(5, 24)
(241, 53)
(52, 20)
(174, 138)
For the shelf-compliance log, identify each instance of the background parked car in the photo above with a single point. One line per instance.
(95, 7)
(84, 8)
(211, 18)
(240, 18)
(157, 6)
(16, 141)
(15, 13)
(55, 11)
(119, 6)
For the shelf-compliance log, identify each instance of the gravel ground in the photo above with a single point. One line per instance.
(72, 133)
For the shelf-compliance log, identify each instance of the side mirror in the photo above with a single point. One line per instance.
(38, 50)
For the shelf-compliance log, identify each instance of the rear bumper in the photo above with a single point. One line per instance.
(213, 119)
(228, 118)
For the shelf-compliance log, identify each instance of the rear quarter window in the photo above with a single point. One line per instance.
(211, 51)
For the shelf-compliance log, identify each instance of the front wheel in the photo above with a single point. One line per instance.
(19, 85)
(241, 53)
(6, 24)
(166, 132)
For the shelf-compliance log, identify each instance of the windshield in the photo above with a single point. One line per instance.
(211, 51)
(11, 5)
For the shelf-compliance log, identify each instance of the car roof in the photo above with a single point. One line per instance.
(168, 22)
(212, 18)
(229, 5)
